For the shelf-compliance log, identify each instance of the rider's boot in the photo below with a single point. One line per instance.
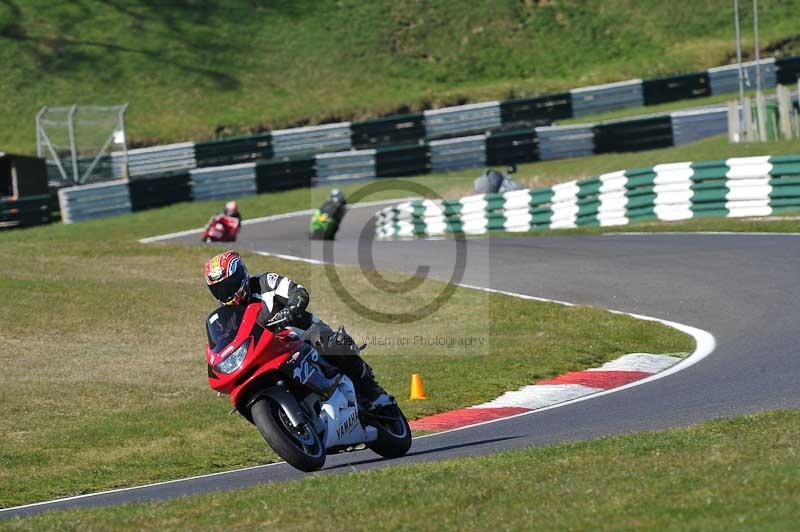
(367, 388)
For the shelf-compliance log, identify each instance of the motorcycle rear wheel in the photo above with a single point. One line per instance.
(394, 434)
(301, 447)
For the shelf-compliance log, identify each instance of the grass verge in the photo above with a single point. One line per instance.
(741, 473)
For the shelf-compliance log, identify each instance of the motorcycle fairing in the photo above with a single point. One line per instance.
(340, 417)
(266, 360)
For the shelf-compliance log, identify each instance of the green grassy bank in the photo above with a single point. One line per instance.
(191, 70)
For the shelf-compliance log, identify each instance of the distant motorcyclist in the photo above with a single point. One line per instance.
(493, 181)
(335, 206)
(282, 299)
(232, 209)
(326, 220)
(224, 226)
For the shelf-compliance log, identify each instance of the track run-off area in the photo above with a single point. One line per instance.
(736, 294)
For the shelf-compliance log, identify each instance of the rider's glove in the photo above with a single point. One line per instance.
(295, 309)
(285, 316)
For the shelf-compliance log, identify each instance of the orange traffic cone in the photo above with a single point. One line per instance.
(417, 388)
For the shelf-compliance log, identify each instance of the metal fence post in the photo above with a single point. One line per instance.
(73, 148)
(784, 110)
(761, 109)
(734, 125)
(742, 135)
(748, 120)
(757, 50)
(124, 141)
(39, 147)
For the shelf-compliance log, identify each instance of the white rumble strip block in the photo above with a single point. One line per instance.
(639, 362)
(539, 396)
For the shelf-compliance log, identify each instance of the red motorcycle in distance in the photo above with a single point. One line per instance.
(222, 228)
(303, 406)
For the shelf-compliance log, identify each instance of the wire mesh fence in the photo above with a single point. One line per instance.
(77, 142)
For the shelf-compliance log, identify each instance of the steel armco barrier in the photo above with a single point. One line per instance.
(458, 153)
(223, 182)
(87, 202)
(25, 211)
(689, 126)
(725, 79)
(461, 120)
(560, 142)
(601, 98)
(154, 160)
(305, 141)
(634, 134)
(345, 166)
(394, 130)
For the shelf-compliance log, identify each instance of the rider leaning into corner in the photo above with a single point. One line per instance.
(232, 209)
(335, 206)
(283, 299)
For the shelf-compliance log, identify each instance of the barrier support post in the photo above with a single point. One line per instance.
(734, 127)
(784, 111)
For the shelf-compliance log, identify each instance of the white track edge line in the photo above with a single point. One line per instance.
(713, 233)
(290, 257)
(704, 340)
(131, 488)
(272, 217)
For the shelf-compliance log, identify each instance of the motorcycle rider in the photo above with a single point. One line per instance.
(335, 206)
(232, 209)
(326, 220)
(282, 299)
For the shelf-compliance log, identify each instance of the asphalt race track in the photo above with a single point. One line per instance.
(743, 289)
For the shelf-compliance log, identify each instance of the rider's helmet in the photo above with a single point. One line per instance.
(337, 195)
(231, 209)
(226, 277)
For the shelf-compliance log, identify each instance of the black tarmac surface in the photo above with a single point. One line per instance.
(744, 289)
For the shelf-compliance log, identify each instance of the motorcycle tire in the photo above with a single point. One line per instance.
(330, 234)
(394, 434)
(303, 450)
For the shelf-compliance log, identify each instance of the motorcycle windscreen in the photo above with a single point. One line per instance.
(222, 326)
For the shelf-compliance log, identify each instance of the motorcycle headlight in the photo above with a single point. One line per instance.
(233, 361)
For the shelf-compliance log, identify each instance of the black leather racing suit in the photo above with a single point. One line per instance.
(277, 293)
(334, 209)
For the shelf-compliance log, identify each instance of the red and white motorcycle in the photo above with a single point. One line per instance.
(221, 228)
(303, 406)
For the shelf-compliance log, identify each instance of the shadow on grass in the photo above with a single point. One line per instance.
(193, 26)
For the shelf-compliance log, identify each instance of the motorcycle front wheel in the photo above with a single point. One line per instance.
(394, 434)
(300, 447)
